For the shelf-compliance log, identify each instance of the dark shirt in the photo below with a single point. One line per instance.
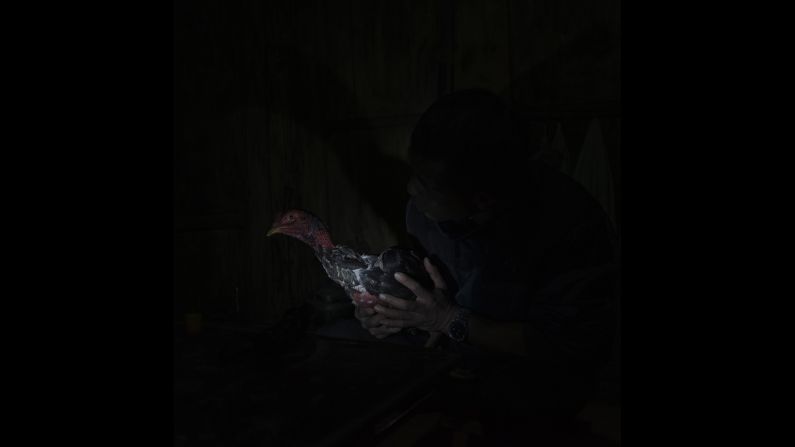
(549, 262)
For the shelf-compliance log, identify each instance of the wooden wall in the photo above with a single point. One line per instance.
(310, 104)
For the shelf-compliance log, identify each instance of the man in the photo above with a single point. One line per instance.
(523, 259)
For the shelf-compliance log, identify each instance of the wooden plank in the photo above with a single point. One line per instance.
(208, 171)
(396, 48)
(308, 61)
(482, 46)
(565, 52)
(612, 136)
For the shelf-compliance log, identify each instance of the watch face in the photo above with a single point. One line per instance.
(458, 330)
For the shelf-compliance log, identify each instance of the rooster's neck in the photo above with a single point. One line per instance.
(321, 239)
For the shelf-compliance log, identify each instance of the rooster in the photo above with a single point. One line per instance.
(362, 276)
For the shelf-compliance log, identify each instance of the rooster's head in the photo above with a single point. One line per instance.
(303, 226)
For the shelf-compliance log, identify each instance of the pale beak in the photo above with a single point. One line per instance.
(273, 230)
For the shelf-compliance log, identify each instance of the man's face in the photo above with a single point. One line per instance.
(435, 201)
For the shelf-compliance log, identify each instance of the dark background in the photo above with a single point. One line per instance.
(310, 104)
(102, 79)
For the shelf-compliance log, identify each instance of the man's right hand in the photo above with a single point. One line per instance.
(371, 320)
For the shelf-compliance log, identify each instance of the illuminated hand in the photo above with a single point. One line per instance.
(431, 311)
(373, 322)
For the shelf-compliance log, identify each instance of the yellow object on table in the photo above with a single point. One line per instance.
(193, 323)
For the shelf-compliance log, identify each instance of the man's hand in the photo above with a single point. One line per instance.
(431, 311)
(372, 321)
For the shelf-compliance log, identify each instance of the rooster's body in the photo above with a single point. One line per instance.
(362, 276)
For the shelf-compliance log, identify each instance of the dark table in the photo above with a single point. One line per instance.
(264, 388)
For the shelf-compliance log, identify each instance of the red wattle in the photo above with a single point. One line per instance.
(323, 239)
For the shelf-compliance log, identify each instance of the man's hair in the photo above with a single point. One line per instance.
(473, 134)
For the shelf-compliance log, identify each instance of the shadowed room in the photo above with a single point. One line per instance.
(297, 135)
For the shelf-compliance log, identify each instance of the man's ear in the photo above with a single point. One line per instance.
(483, 201)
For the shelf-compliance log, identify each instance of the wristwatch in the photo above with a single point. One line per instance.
(458, 329)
